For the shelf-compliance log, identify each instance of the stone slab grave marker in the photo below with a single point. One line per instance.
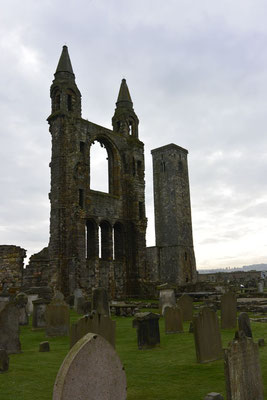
(4, 361)
(9, 329)
(207, 336)
(213, 396)
(244, 324)
(173, 320)
(185, 302)
(78, 300)
(91, 370)
(147, 325)
(21, 301)
(94, 323)
(228, 311)
(57, 316)
(44, 346)
(242, 369)
(166, 299)
(100, 302)
(38, 315)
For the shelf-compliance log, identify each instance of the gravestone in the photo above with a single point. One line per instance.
(38, 315)
(21, 301)
(44, 346)
(57, 317)
(261, 286)
(78, 293)
(185, 302)
(228, 311)
(31, 299)
(244, 324)
(94, 323)
(91, 369)
(100, 302)
(147, 326)
(242, 370)
(207, 336)
(4, 361)
(173, 320)
(9, 329)
(166, 299)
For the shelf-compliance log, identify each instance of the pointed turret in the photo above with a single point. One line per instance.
(64, 64)
(125, 120)
(64, 92)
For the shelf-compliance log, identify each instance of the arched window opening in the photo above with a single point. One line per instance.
(139, 169)
(118, 241)
(99, 168)
(185, 256)
(106, 241)
(133, 166)
(91, 240)
(57, 102)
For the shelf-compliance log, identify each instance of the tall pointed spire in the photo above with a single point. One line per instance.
(124, 97)
(125, 120)
(64, 64)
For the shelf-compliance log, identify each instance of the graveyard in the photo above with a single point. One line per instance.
(169, 370)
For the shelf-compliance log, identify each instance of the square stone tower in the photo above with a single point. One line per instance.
(173, 225)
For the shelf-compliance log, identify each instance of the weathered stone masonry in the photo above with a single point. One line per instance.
(77, 212)
(11, 266)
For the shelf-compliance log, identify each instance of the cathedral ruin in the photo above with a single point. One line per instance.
(98, 239)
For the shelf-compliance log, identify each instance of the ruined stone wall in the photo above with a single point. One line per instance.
(38, 272)
(11, 266)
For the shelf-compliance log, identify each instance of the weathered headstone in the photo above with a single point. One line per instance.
(38, 315)
(31, 299)
(173, 320)
(94, 323)
(166, 299)
(207, 336)
(242, 370)
(57, 317)
(91, 369)
(80, 301)
(78, 293)
(213, 396)
(44, 346)
(147, 325)
(21, 301)
(185, 302)
(261, 342)
(4, 361)
(9, 329)
(228, 311)
(244, 324)
(100, 302)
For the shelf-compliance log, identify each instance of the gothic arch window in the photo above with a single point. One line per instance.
(99, 168)
(56, 100)
(106, 241)
(119, 241)
(71, 99)
(91, 239)
(105, 166)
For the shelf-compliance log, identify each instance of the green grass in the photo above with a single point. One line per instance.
(168, 372)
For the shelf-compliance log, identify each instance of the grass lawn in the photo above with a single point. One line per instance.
(168, 372)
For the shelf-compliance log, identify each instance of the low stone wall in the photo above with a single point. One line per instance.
(11, 266)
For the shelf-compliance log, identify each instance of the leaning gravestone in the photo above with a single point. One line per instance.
(244, 324)
(166, 299)
(91, 370)
(228, 311)
(173, 320)
(147, 325)
(57, 316)
(94, 323)
(242, 370)
(100, 302)
(207, 336)
(185, 302)
(9, 329)
(21, 301)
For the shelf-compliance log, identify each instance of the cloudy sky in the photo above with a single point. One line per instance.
(197, 73)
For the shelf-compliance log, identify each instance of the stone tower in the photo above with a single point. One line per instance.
(173, 226)
(83, 221)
